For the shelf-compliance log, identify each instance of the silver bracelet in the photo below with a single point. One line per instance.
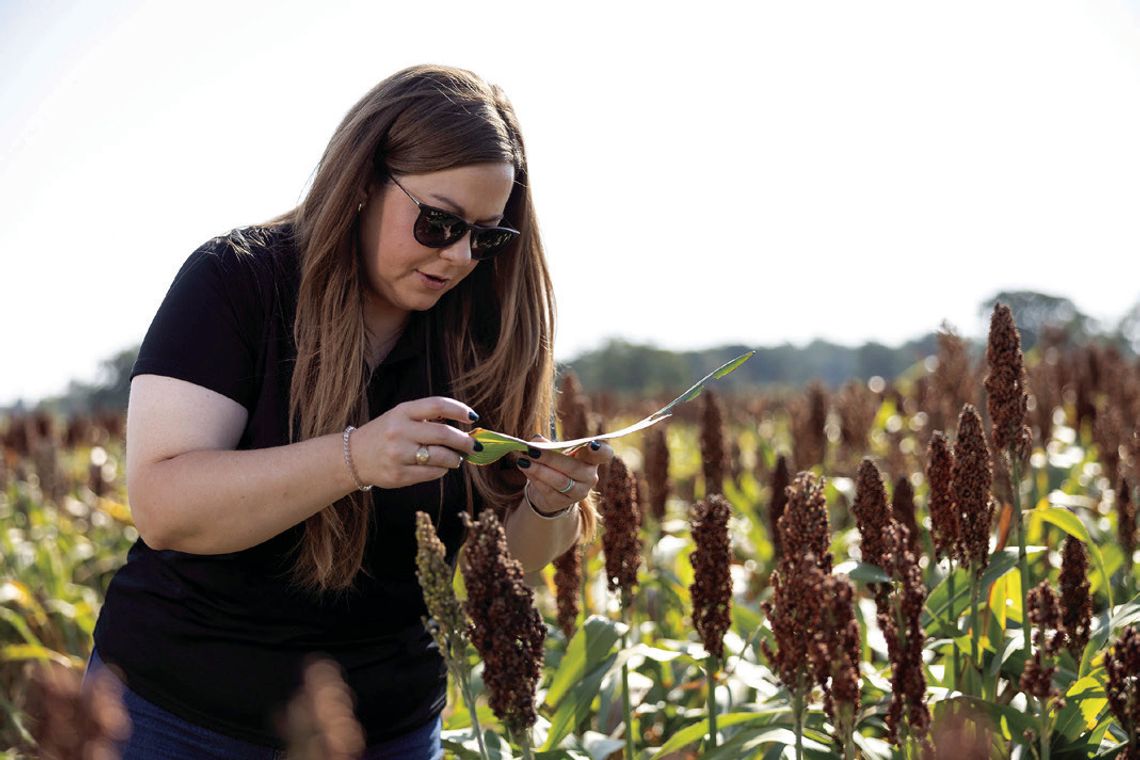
(348, 460)
(543, 515)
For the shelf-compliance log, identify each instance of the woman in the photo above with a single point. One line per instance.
(302, 392)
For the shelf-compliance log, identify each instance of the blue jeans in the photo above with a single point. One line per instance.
(157, 733)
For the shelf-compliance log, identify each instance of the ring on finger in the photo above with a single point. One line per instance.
(423, 455)
(570, 483)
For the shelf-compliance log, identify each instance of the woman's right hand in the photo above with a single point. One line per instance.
(384, 450)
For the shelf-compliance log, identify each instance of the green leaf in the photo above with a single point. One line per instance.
(865, 572)
(699, 730)
(497, 445)
(1071, 524)
(1018, 721)
(938, 603)
(1085, 701)
(591, 643)
(575, 706)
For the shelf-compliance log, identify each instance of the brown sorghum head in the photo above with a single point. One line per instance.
(1122, 663)
(568, 582)
(797, 582)
(573, 409)
(1044, 612)
(943, 515)
(804, 526)
(809, 420)
(908, 681)
(836, 653)
(713, 453)
(871, 513)
(794, 613)
(856, 406)
(902, 509)
(954, 378)
(1076, 604)
(711, 589)
(1007, 385)
(506, 629)
(1108, 434)
(446, 619)
(320, 721)
(620, 541)
(971, 481)
(1126, 517)
(65, 722)
(778, 485)
(656, 453)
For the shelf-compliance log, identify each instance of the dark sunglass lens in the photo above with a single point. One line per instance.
(438, 228)
(487, 243)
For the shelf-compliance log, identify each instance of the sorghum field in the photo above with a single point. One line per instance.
(939, 566)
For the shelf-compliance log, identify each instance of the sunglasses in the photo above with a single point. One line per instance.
(437, 228)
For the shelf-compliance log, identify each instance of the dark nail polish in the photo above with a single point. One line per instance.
(472, 416)
(595, 445)
(478, 446)
(524, 463)
(533, 453)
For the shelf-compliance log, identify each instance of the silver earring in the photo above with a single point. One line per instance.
(360, 207)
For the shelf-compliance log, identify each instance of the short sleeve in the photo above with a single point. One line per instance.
(205, 330)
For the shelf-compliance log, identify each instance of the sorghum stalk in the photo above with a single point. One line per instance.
(627, 707)
(1022, 557)
(711, 668)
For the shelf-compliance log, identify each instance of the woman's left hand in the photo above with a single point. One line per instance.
(557, 480)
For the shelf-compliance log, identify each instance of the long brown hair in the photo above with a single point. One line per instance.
(496, 321)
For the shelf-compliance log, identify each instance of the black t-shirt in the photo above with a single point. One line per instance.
(220, 639)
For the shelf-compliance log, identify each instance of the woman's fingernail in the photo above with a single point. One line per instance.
(533, 453)
(472, 416)
(478, 446)
(524, 463)
(595, 445)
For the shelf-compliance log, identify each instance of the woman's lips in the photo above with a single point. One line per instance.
(435, 283)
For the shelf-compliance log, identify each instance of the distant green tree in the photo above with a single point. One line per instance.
(1034, 311)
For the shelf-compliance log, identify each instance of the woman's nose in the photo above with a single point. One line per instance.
(459, 252)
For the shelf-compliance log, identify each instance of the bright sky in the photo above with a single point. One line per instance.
(704, 172)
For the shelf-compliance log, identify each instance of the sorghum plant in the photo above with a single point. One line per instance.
(711, 590)
(505, 627)
(574, 414)
(872, 515)
(622, 548)
(446, 621)
(1076, 618)
(902, 628)
(796, 589)
(713, 451)
(1126, 526)
(835, 657)
(1007, 397)
(1044, 613)
(903, 511)
(971, 479)
(944, 519)
(1122, 663)
(953, 379)
(656, 456)
(620, 541)
(778, 485)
